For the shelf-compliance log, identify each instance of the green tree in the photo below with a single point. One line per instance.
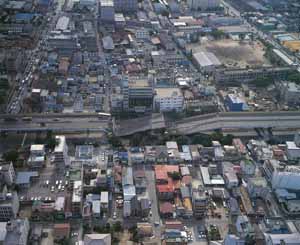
(227, 140)
(136, 140)
(50, 140)
(217, 34)
(174, 175)
(115, 141)
(11, 156)
(217, 136)
(117, 227)
(182, 140)
(262, 82)
(165, 13)
(200, 139)
(295, 77)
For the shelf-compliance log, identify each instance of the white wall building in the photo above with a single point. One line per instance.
(9, 206)
(17, 232)
(287, 179)
(168, 99)
(206, 61)
(99, 239)
(292, 150)
(7, 172)
(61, 151)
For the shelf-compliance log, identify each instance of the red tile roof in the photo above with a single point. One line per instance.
(165, 188)
(166, 207)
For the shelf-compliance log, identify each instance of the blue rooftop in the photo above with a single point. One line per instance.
(24, 177)
(24, 16)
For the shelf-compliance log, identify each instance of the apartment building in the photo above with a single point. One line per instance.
(61, 157)
(244, 75)
(168, 99)
(9, 205)
(77, 198)
(200, 203)
(137, 95)
(126, 6)
(7, 174)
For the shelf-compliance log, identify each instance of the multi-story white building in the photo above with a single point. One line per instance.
(77, 198)
(7, 174)
(61, 157)
(289, 178)
(292, 150)
(9, 205)
(168, 99)
(36, 159)
(203, 4)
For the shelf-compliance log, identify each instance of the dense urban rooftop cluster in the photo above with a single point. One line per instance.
(149, 122)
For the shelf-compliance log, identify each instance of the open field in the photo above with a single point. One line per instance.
(234, 53)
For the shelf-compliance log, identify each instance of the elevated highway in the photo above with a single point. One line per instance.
(58, 123)
(83, 122)
(238, 120)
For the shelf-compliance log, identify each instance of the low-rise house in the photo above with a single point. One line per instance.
(99, 239)
(144, 229)
(258, 187)
(144, 207)
(161, 154)
(166, 209)
(25, 178)
(17, 232)
(271, 166)
(43, 210)
(150, 154)
(248, 167)
(234, 206)
(61, 231)
(243, 226)
(292, 150)
(140, 180)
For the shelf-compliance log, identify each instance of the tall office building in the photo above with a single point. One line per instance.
(137, 95)
(126, 6)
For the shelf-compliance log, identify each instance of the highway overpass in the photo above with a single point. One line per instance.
(237, 120)
(83, 122)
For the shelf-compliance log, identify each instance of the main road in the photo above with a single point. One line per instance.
(69, 123)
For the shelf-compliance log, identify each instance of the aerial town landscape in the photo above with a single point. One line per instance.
(150, 122)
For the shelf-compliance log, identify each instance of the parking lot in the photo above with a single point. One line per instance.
(50, 184)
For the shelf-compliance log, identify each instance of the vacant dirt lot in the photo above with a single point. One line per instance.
(234, 53)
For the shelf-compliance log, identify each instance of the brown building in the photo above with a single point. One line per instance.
(61, 231)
